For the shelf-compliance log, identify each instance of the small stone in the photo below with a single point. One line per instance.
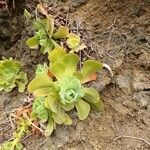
(141, 80)
(143, 98)
(124, 82)
(145, 59)
(78, 3)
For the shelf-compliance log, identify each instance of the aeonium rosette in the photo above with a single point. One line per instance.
(62, 86)
(70, 89)
(11, 75)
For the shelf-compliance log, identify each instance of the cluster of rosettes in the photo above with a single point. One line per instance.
(59, 87)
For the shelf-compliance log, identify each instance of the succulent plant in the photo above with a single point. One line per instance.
(11, 76)
(45, 35)
(73, 41)
(14, 143)
(58, 87)
(65, 90)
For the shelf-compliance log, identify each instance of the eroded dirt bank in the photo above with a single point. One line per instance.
(119, 33)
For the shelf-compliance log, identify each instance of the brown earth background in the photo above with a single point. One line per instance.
(117, 32)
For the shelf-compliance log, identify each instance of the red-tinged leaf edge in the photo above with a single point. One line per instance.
(92, 77)
(50, 74)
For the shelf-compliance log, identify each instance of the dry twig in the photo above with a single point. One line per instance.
(34, 124)
(131, 137)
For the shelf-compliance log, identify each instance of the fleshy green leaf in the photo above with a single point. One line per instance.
(61, 117)
(41, 69)
(46, 45)
(19, 146)
(22, 76)
(40, 82)
(21, 81)
(73, 41)
(52, 102)
(56, 55)
(27, 15)
(70, 61)
(67, 107)
(46, 24)
(98, 106)
(58, 70)
(11, 76)
(33, 42)
(92, 97)
(44, 29)
(68, 120)
(50, 25)
(38, 24)
(21, 87)
(91, 77)
(79, 75)
(50, 127)
(9, 87)
(33, 116)
(9, 67)
(56, 45)
(83, 109)
(62, 32)
(42, 91)
(90, 67)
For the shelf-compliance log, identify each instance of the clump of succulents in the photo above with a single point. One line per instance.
(47, 37)
(11, 75)
(60, 88)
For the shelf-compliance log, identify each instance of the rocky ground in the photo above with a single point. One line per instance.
(119, 35)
